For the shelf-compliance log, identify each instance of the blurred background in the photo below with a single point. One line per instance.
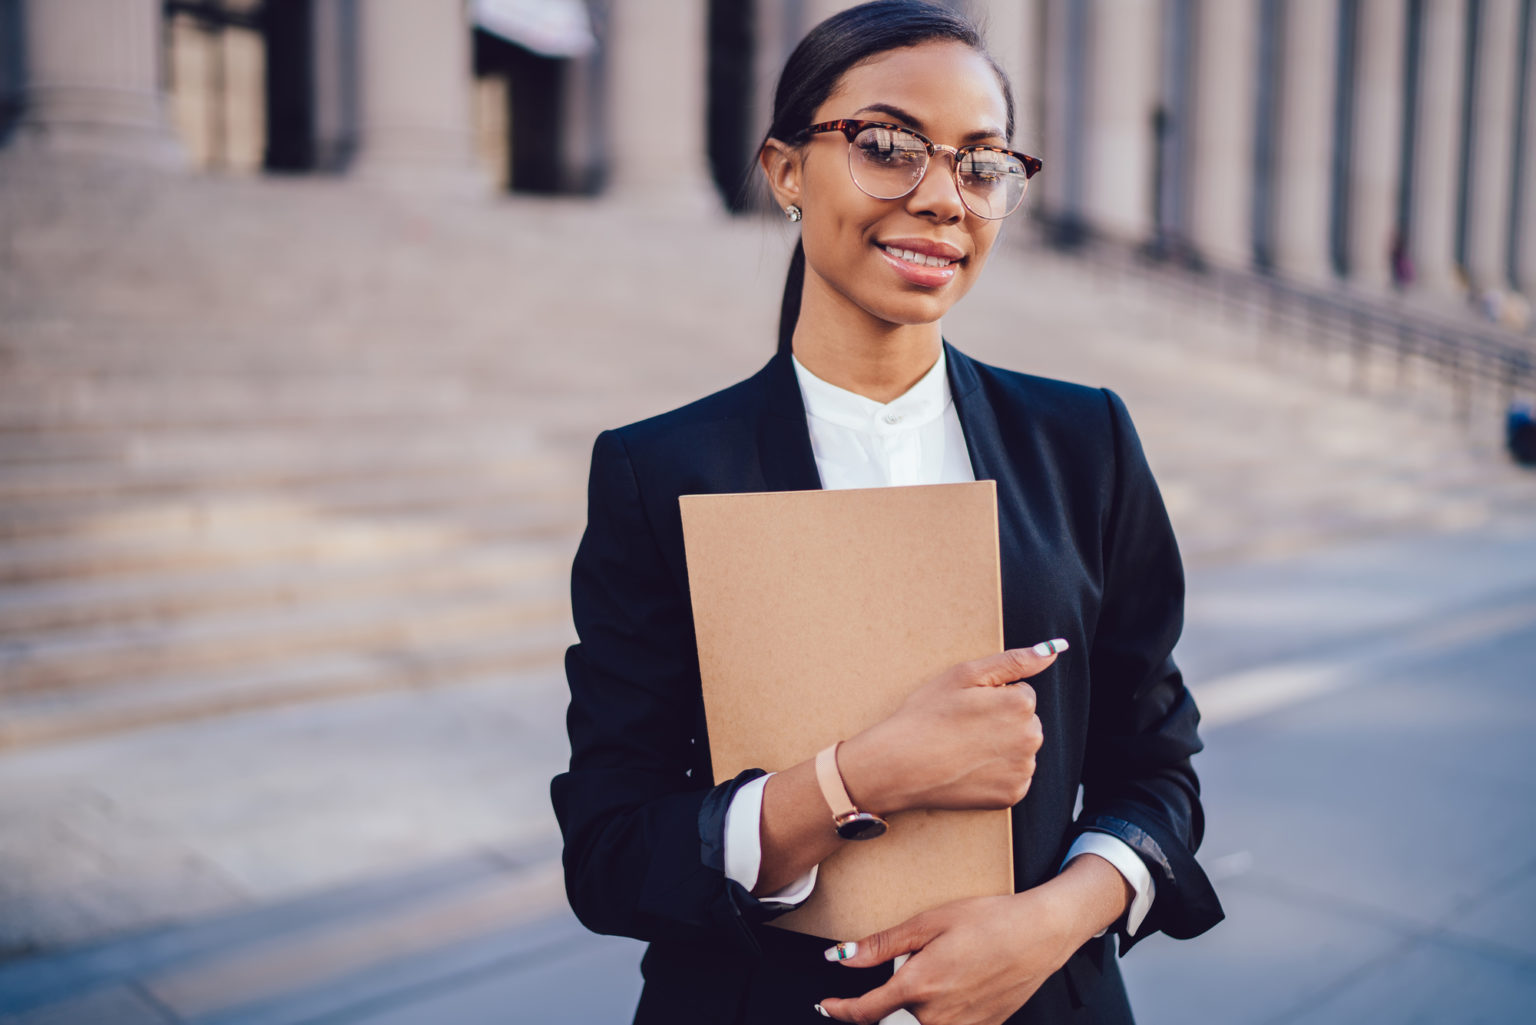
(311, 309)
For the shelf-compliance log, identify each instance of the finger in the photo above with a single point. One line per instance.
(869, 1008)
(882, 946)
(1014, 664)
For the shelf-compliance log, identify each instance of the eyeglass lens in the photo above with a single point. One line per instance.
(887, 163)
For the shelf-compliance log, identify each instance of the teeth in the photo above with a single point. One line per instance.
(911, 257)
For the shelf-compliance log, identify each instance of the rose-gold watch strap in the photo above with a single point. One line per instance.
(831, 782)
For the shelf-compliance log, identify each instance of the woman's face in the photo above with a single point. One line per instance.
(949, 93)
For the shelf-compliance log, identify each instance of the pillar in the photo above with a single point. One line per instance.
(657, 75)
(1525, 212)
(1375, 153)
(1121, 99)
(414, 104)
(1437, 146)
(1028, 87)
(1492, 156)
(814, 12)
(334, 43)
(91, 80)
(1304, 127)
(1008, 27)
(1220, 185)
(1058, 192)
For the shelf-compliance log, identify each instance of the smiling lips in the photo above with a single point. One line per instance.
(921, 261)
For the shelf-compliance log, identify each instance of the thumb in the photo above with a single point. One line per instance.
(882, 946)
(870, 1008)
(1013, 665)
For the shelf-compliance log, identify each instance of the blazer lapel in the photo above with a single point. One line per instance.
(990, 461)
(783, 439)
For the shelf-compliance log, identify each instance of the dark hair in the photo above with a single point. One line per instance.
(827, 52)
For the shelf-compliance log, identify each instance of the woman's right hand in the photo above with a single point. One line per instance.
(965, 739)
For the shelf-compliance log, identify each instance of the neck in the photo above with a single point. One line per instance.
(844, 345)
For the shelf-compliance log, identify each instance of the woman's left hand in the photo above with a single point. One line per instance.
(976, 961)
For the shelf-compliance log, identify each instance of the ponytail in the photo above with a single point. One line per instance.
(789, 307)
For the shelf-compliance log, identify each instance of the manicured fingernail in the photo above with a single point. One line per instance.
(822, 1011)
(841, 951)
(1051, 647)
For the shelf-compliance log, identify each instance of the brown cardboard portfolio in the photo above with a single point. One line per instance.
(817, 613)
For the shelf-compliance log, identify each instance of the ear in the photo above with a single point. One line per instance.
(781, 166)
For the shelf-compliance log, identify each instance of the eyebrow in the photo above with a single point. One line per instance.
(892, 111)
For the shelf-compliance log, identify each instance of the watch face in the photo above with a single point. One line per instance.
(861, 826)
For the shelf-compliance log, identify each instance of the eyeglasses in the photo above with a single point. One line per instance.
(888, 161)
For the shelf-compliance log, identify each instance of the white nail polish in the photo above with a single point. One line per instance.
(1042, 649)
(1059, 644)
(1051, 647)
(822, 1011)
(841, 951)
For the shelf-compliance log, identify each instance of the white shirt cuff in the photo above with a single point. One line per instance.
(1126, 862)
(744, 846)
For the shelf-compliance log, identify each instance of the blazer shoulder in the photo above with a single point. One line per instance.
(1049, 402)
(734, 403)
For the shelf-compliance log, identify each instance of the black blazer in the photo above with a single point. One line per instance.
(1087, 554)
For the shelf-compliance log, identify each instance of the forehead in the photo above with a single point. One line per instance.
(948, 86)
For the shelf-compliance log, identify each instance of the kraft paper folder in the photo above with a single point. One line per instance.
(817, 613)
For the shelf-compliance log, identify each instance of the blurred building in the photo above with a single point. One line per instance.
(1373, 142)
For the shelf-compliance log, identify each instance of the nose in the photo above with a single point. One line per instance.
(937, 195)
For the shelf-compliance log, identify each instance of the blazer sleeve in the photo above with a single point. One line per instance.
(644, 838)
(1138, 784)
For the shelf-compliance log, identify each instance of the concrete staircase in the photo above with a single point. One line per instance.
(210, 502)
(264, 441)
(177, 539)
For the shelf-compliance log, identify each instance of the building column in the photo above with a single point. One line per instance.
(1492, 156)
(1009, 32)
(91, 81)
(1525, 214)
(1304, 128)
(1437, 146)
(1121, 99)
(415, 126)
(334, 47)
(1058, 193)
(814, 12)
(1375, 152)
(1220, 185)
(657, 76)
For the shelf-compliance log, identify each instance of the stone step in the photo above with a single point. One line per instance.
(342, 404)
(556, 490)
(79, 404)
(145, 600)
(387, 626)
(195, 444)
(192, 465)
(233, 535)
(65, 714)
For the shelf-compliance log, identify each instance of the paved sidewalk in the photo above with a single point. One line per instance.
(1368, 778)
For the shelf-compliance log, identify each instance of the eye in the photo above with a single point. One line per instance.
(990, 167)
(890, 146)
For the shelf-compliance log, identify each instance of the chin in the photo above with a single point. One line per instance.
(913, 309)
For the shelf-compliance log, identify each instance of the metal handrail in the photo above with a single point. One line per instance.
(1467, 354)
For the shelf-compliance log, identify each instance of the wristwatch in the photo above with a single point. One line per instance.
(850, 823)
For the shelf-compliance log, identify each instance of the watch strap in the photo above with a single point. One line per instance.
(831, 782)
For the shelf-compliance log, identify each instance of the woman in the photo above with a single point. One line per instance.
(890, 147)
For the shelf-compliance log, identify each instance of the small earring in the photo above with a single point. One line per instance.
(793, 212)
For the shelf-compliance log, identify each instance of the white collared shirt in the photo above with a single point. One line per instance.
(860, 443)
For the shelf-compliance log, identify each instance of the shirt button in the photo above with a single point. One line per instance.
(892, 418)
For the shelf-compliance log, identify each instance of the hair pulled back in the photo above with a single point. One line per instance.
(829, 51)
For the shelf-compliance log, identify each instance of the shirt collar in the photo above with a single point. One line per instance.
(921, 404)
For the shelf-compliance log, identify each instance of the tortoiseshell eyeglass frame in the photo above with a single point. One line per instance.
(851, 128)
